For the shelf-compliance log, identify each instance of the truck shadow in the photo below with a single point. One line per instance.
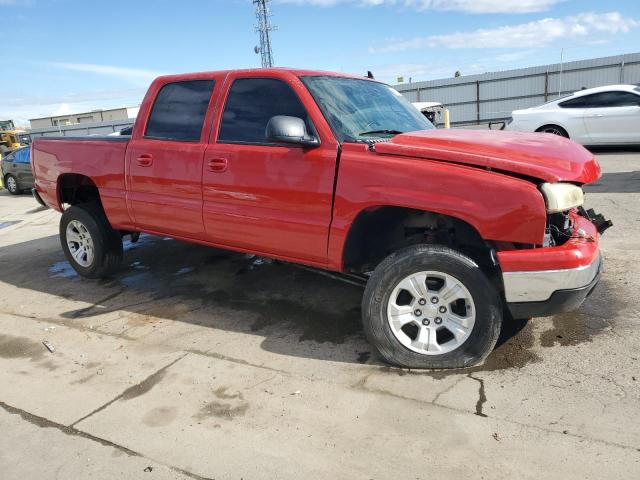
(297, 312)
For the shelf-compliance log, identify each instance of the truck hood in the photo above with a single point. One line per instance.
(546, 157)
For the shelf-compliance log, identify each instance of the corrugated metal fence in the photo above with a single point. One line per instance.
(493, 96)
(82, 129)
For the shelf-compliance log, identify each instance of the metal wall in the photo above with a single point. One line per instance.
(82, 129)
(493, 96)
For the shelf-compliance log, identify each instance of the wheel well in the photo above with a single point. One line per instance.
(379, 231)
(74, 188)
(554, 125)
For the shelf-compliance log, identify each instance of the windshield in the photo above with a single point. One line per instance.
(361, 110)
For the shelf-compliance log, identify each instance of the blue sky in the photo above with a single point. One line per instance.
(76, 55)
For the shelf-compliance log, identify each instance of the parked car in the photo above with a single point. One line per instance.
(595, 116)
(16, 171)
(445, 227)
(431, 110)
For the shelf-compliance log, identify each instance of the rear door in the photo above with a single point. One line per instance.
(264, 197)
(613, 117)
(164, 159)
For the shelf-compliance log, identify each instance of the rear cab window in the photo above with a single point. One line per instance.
(179, 111)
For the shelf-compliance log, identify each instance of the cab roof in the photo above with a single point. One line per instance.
(275, 71)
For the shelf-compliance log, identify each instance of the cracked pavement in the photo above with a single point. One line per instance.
(198, 363)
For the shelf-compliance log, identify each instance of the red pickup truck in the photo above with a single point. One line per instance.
(447, 227)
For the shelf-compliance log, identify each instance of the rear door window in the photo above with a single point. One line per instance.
(179, 110)
(22, 156)
(251, 103)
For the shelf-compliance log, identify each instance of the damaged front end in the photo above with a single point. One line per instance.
(597, 219)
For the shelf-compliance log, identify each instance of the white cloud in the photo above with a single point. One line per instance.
(63, 109)
(135, 76)
(22, 108)
(534, 34)
(468, 6)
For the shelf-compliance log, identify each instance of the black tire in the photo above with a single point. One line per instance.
(488, 307)
(554, 130)
(13, 190)
(107, 242)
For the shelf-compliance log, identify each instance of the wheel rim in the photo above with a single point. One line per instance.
(431, 313)
(80, 243)
(12, 186)
(554, 131)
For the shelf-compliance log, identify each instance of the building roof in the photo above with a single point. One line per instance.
(84, 113)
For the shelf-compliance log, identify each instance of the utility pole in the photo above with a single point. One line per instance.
(560, 76)
(263, 28)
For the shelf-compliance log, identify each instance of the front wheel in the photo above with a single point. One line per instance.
(91, 246)
(429, 306)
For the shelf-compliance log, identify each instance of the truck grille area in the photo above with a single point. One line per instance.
(559, 229)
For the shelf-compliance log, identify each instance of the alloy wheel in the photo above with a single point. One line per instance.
(80, 243)
(431, 313)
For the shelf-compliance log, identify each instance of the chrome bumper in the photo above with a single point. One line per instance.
(539, 286)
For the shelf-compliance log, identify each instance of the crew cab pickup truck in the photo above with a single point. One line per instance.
(448, 228)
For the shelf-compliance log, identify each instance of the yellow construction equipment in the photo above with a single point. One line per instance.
(10, 138)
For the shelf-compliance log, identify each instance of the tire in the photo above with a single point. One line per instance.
(89, 222)
(11, 184)
(480, 311)
(554, 130)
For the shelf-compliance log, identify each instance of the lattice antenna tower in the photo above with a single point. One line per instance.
(263, 28)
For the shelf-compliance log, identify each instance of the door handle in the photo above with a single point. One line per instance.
(145, 160)
(217, 164)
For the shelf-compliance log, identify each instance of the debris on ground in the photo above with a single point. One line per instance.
(297, 392)
(148, 469)
(49, 346)
(496, 436)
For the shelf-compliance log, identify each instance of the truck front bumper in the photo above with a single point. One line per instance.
(546, 281)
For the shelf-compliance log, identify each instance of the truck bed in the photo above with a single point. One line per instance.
(99, 158)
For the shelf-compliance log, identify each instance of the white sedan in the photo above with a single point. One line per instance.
(596, 116)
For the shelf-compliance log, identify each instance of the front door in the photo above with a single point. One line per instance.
(165, 162)
(263, 197)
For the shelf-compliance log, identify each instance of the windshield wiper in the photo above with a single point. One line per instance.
(374, 132)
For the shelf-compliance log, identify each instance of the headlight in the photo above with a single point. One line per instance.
(560, 197)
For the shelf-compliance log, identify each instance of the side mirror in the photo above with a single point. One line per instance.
(290, 130)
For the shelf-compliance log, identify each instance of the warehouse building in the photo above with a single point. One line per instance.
(481, 99)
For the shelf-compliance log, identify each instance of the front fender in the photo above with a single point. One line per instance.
(500, 207)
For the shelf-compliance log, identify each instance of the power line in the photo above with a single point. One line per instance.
(263, 28)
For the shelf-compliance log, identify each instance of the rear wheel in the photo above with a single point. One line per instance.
(12, 185)
(91, 246)
(429, 306)
(554, 130)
